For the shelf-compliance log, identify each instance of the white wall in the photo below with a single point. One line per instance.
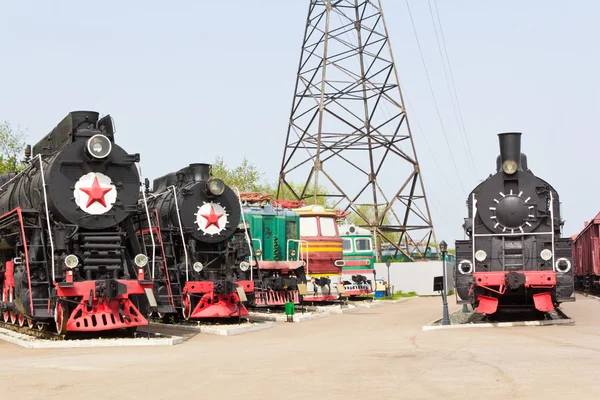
(416, 276)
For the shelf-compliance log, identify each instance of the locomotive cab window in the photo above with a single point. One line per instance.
(290, 230)
(308, 226)
(362, 244)
(328, 227)
(347, 245)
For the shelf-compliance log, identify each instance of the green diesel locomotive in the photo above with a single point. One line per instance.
(278, 264)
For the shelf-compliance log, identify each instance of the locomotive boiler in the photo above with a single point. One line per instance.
(68, 252)
(200, 245)
(515, 256)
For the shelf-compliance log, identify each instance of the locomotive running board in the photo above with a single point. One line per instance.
(487, 305)
(543, 302)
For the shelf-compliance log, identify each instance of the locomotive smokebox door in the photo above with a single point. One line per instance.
(438, 283)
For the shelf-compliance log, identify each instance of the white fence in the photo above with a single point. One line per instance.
(416, 276)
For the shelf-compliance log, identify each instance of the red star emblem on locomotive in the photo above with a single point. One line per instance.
(95, 193)
(212, 218)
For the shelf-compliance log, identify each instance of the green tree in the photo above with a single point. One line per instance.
(12, 144)
(246, 176)
(369, 213)
(308, 196)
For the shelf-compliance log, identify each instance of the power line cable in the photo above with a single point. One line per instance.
(454, 85)
(413, 117)
(463, 137)
(434, 99)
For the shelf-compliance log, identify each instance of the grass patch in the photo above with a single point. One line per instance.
(399, 295)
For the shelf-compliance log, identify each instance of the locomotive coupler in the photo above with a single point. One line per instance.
(515, 280)
(224, 287)
(110, 289)
(358, 279)
(322, 281)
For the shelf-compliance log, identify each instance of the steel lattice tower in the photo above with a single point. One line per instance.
(348, 132)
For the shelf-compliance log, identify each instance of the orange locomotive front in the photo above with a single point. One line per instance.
(324, 259)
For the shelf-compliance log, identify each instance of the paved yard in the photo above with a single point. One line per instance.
(372, 353)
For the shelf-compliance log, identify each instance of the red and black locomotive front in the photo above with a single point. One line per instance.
(515, 255)
(201, 244)
(70, 254)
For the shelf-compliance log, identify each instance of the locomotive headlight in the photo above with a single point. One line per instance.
(71, 261)
(293, 253)
(198, 266)
(465, 267)
(141, 260)
(244, 266)
(216, 187)
(258, 252)
(509, 167)
(480, 255)
(563, 265)
(546, 254)
(98, 146)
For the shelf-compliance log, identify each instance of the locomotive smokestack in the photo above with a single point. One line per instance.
(200, 172)
(510, 151)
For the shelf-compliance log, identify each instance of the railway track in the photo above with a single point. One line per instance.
(43, 333)
(520, 315)
(47, 334)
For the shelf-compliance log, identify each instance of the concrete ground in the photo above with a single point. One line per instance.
(371, 353)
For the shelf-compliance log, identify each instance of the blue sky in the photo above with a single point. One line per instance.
(186, 81)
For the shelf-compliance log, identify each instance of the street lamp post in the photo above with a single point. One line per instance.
(446, 317)
(388, 263)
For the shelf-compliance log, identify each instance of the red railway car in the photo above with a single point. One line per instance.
(586, 255)
(319, 230)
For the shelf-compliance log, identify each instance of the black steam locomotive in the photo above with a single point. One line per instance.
(69, 255)
(196, 238)
(515, 256)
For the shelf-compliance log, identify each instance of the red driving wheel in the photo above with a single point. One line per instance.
(60, 317)
(187, 307)
(5, 314)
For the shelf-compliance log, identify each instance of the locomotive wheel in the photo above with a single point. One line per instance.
(30, 323)
(40, 326)
(5, 314)
(61, 316)
(13, 318)
(21, 319)
(164, 317)
(187, 307)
